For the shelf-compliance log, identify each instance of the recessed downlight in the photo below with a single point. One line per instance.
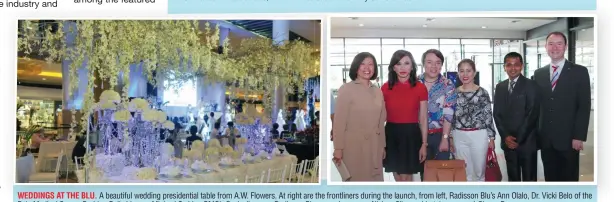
(483, 27)
(361, 25)
(425, 25)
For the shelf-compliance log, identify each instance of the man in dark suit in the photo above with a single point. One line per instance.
(565, 111)
(516, 111)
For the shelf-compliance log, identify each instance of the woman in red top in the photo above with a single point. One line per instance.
(406, 125)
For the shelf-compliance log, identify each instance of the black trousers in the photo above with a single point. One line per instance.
(521, 165)
(561, 166)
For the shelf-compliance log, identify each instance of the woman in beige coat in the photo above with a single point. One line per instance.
(359, 122)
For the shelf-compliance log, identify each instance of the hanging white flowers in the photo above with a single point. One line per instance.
(175, 50)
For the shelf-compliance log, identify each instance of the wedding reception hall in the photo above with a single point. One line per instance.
(168, 101)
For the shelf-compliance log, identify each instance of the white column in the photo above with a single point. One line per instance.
(281, 33)
(76, 100)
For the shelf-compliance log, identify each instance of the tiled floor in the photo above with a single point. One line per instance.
(586, 162)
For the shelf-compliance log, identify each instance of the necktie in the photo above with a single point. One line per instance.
(512, 84)
(555, 77)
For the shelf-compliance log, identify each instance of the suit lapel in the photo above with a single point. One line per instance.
(543, 79)
(562, 82)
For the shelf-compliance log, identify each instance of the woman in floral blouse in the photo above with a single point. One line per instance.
(474, 131)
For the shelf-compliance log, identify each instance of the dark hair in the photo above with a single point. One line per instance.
(394, 60)
(512, 55)
(433, 51)
(467, 61)
(356, 65)
(216, 125)
(275, 126)
(557, 34)
(193, 130)
(231, 124)
(212, 114)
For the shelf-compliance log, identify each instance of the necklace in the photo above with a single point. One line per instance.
(430, 81)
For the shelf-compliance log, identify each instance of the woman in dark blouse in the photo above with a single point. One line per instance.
(406, 126)
(473, 129)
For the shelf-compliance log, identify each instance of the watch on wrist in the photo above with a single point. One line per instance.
(445, 136)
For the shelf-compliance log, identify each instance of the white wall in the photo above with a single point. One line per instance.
(36, 93)
(424, 33)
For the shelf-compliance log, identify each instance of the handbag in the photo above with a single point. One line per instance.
(493, 172)
(451, 170)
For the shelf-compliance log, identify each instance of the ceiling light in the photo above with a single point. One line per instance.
(483, 27)
(44, 79)
(430, 19)
(583, 30)
(424, 25)
(361, 25)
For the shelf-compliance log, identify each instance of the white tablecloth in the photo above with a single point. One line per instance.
(227, 175)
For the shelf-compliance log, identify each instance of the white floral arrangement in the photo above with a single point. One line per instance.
(241, 140)
(107, 105)
(198, 145)
(169, 125)
(138, 105)
(199, 166)
(150, 115)
(170, 171)
(161, 117)
(214, 143)
(94, 175)
(122, 116)
(110, 96)
(147, 173)
(167, 149)
(130, 172)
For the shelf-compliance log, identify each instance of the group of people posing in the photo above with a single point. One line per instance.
(412, 119)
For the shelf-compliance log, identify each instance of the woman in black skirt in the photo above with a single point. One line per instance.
(406, 104)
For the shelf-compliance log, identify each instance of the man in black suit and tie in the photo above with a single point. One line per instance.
(565, 111)
(516, 111)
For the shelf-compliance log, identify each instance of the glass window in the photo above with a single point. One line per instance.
(452, 56)
(421, 41)
(336, 41)
(392, 42)
(336, 54)
(449, 41)
(387, 51)
(352, 50)
(585, 54)
(336, 76)
(476, 41)
(531, 58)
(469, 48)
(361, 41)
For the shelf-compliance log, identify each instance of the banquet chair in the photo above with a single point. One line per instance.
(293, 172)
(79, 169)
(255, 178)
(24, 165)
(277, 175)
(41, 177)
(306, 172)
